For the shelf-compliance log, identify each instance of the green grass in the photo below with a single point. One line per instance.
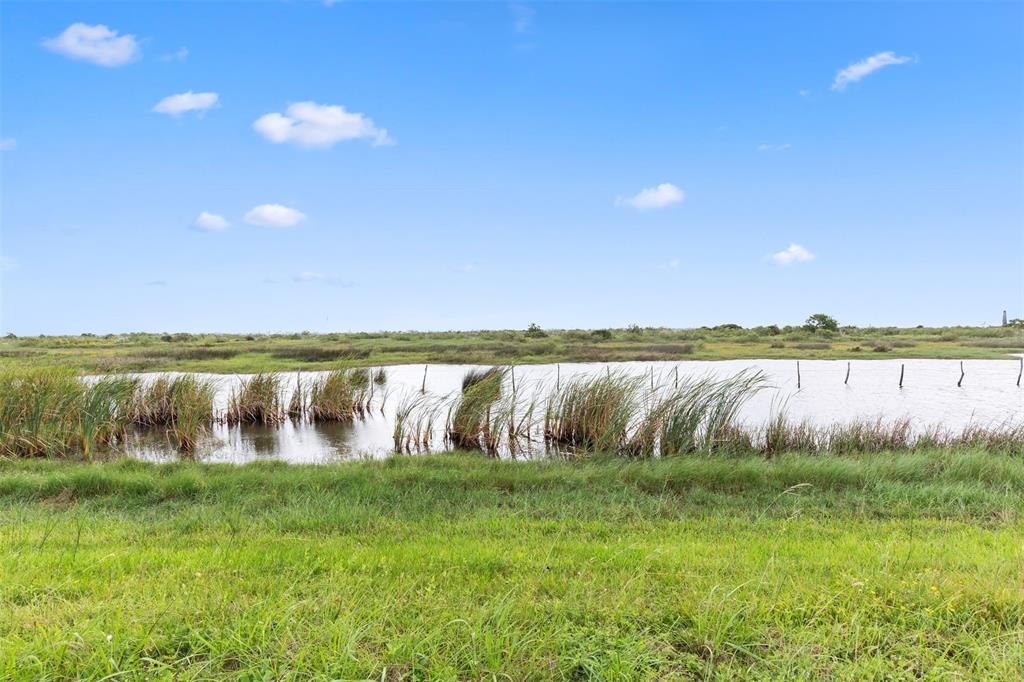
(227, 353)
(462, 567)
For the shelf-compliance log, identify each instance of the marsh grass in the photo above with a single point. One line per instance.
(182, 405)
(470, 425)
(258, 400)
(51, 413)
(340, 395)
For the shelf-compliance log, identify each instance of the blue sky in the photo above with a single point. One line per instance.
(470, 165)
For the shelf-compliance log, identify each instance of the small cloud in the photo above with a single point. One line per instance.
(7, 144)
(274, 215)
(156, 283)
(661, 196)
(321, 277)
(673, 264)
(179, 55)
(804, 93)
(794, 253)
(469, 267)
(522, 17)
(865, 67)
(211, 222)
(773, 147)
(97, 44)
(312, 125)
(176, 105)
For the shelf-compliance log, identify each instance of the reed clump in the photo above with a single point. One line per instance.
(182, 405)
(469, 425)
(593, 413)
(340, 395)
(258, 400)
(52, 413)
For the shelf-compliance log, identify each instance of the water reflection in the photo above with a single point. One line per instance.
(930, 396)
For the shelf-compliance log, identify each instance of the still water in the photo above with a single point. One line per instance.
(988, 396)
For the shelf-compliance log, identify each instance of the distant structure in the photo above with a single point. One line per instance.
(1004, 318)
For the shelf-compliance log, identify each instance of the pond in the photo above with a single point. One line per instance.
(988, 396)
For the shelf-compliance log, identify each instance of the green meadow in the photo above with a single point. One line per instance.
(227, 353)
(459, 566)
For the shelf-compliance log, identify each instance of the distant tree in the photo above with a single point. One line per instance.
(602, 334)
(535, 332)
(1016, 322)
(635, 329)
(820, 322)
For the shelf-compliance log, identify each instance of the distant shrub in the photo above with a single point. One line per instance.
(535, 332)
(882, 348)
(777, 344)
(602, 334)
(813, 345)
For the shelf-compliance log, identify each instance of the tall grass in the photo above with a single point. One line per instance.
(469, 426)
(51, 413)
(182, 405)
(258, 400)
(340, 395)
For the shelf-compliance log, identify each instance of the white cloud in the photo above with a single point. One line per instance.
(522, 17)
(7, 144)
(673, 264)
(176, 105)
(661, 196)
(469, 267)
(309, 124)
(211, 222)
(179, 55)
(794, 253)
(274, 215)
(804, 93)
(773, 147)
(97, 44)
(866, 67)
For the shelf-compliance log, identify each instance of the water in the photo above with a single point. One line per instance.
(989, 396)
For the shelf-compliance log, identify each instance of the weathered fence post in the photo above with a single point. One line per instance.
(558, 376)
(901, 374)
(1020, 372)
(847, 379)
(798, 374)
(423, 388)
(961, 381)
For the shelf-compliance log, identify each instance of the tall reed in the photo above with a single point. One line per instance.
(258, 400)
(340, 395)
(182, 405)
(52, 413)
(470, 426)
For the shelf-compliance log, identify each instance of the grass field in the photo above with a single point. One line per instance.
(254, 353)
(461, 567)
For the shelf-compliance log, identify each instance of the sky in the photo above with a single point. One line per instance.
(352, 166)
